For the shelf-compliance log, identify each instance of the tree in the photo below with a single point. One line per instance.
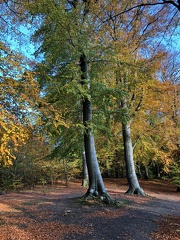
(131, 71)
(149, 21)
(17, 98)
(174, 170)
(154, 141)
(96, 185)
(81, 43)
(65, 34)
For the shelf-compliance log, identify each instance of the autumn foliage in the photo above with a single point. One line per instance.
(132, 80)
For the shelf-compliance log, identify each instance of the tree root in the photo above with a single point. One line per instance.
(137, 191)
(99, 197)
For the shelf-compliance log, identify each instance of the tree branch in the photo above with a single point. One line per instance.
(12, 10)
(143, 5)
(138, 107)
(173, 3)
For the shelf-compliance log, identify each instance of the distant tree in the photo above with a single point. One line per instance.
(19, 92)
(174, 170)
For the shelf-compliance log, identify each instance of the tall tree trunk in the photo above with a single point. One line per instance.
(134, 187)
(139, 170)
(146, 172)
(85, 178)
(157, 171)
(96, 185)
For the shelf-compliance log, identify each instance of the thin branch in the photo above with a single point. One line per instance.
(174, 4)
(13, 11)
(138, 107)
(143, 5)
(12, 27)
(144, 134)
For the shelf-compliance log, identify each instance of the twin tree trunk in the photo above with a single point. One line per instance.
(96, 185)
(134, 187)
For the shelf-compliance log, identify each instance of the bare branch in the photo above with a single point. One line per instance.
(12, 10)
(174, 4)
(143, 5)
(138, 107)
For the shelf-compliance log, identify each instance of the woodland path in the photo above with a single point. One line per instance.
(58, 214)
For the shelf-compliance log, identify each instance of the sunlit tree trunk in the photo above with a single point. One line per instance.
(134, 187)
(85, 177)
(96, 185)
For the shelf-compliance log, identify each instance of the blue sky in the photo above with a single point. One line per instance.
(24, 45)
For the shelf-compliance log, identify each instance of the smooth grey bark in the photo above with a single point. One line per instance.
(96, 184)
(134, 187)
(146, 172)
(139, 170)
(85, 177)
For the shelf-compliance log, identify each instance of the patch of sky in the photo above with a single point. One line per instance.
(21, 42)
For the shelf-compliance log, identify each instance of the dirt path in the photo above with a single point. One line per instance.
(59, 214)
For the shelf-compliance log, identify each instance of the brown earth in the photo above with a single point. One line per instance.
(59, 214)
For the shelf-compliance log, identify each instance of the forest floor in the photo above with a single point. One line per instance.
(59, 214)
